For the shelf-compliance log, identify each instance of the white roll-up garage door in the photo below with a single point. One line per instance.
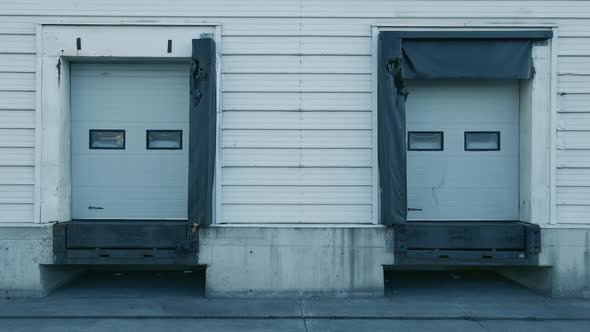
(129, 135)
(463, 150)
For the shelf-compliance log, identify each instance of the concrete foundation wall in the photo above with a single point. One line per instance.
(22, 250)
(567, 251)
(274, 261)
(23, 253)
(287, 261)
(564, 264)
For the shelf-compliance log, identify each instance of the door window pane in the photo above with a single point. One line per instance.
(107, 139)
(164, 139)
(482, 140)
(425, 141)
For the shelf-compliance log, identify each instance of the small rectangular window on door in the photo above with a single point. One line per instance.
(106, 139)
(425, 141)
(482, 141)
(164, 139)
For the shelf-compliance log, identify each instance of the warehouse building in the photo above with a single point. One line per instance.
(295, 147)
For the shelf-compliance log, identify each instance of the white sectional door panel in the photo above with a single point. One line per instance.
(136, 181)
(474, 176)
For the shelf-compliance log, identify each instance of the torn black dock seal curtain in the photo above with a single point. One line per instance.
(435, 55)
(202, 145)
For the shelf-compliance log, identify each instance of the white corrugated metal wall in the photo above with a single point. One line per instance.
(296, 130)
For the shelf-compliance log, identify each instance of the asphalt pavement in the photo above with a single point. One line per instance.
(174, 301)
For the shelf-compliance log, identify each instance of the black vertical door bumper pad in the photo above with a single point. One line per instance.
(202, 136)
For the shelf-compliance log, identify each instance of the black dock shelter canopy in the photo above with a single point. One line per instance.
(435, 55)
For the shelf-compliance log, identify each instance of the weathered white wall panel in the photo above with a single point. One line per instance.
(17, 100)
(578, 140)
(16, 183)
(573, 195)
(302, 138)
(17, 156)
(336, 101)
(576, 214)
(574, 103)
(297, 83)
(17, 119)
(296, 213)
(334, 45)
(574, 84)
(295, 26)
(576, 120)
(293, 176)
(17, 138)
(573, 177)
(309, 64)
(574, 28)
(16, 212)
(184, 8)
(17, 63)
(295, 101)
(435, 8)
(574, 46)
(297, 195)
(16, 175)
(17, 81)
(577, 65)
(296, 120)
(573, 158)
(17, 43)
(297, 157)
(16, 194)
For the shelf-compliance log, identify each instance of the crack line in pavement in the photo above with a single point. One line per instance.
(481, 325)
(221, 317)
(458, 307)
(303, 315)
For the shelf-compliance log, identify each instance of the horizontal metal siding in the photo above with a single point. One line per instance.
(10, 175)
(297, 101)
(297, 157)
(294, 104)
(574, 177)
(17, 121)
(377, 9)
(16, 63)
(573, 127)
(297, 82)
(17, 156)
(10, 212)
(334, 45)
(20, 44)
(12, 138)
(298, 37)
(296, 213)
(298, 138)
(294, 64)
(297, 195)
(23, 119)
(17, 81)
(455, 9)
(15, 100)
(16, 194)
(296, 120)
(297, 176)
